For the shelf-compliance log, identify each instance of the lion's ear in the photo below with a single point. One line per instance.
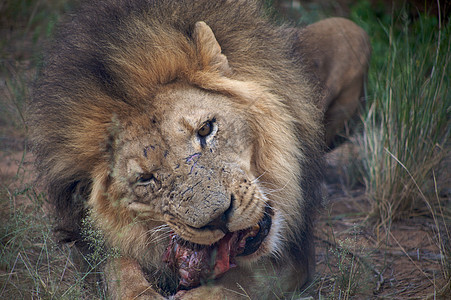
(208, 49)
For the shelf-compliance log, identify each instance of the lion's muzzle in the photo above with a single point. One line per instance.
(195, 263)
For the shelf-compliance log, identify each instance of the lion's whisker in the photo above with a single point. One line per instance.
(255, 180)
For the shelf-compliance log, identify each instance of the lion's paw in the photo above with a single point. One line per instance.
(206, 292)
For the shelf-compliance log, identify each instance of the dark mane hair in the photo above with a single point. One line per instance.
(106, 63)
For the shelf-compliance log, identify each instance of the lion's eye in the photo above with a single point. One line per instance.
(144, 179)
(206, 129)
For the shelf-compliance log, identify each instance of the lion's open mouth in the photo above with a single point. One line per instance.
(196, 263)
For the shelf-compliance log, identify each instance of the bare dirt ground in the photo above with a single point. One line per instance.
(401, 260)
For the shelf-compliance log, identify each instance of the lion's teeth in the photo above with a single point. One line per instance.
(256, 227)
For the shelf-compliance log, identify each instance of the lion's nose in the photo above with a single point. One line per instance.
(221, 221)
(218, 223)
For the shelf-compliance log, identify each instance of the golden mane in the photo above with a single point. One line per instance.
(111, 61)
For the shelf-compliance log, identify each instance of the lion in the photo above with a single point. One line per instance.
(192, 134)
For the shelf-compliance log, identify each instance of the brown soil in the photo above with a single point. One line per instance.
(398, 261)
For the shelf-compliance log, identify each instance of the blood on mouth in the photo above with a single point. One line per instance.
(197, 263)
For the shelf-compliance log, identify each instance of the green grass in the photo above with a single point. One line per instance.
(406, 127)
(405, 143)
(346, 261)
(32, 266)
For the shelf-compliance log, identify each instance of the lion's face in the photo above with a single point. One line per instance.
(190, 166)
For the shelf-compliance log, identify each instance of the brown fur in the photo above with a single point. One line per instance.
(339, 53)
(125, 89)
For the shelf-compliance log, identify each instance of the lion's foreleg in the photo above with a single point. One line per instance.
(125, 280)
(208, 292)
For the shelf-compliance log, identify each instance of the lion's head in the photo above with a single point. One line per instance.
(207, 156)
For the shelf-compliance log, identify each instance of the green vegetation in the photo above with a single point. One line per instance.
(405, 142)
(29, 16)
(406, 127)
(32, 266)
(24, 26)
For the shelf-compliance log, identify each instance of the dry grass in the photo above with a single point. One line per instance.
(405, 146)
(407, 125)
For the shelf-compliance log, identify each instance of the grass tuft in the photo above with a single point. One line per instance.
(406, 128)
(32, 265)
(405, 146)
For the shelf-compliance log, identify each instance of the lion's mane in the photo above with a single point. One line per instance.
(107, 61)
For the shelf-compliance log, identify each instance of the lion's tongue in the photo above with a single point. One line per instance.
(226, 251)
(207, 262)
